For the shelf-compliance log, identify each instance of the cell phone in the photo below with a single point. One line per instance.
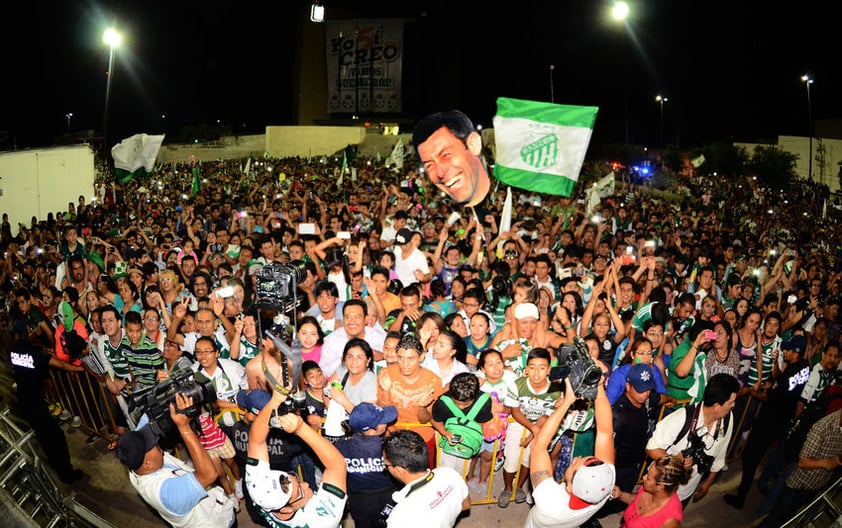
(710, 335)
(306, 229)
(792, 299)
(455, 439)
(242, 214)
(345, 235)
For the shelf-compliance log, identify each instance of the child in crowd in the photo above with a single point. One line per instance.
(531, 401)
(465, 394)
(495, 381)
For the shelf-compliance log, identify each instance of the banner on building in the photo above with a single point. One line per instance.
(364, 65)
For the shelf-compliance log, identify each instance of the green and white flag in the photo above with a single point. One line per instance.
(541, 146)
(697, 161)
(135, 156)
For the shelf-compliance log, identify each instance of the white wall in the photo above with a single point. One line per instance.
(36, 182)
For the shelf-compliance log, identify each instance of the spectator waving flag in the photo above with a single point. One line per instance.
(396, 156)
(541, 146)
(135, 156)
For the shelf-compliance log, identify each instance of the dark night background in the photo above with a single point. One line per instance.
(731, 70)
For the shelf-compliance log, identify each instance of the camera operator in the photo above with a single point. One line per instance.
(702, 433)
(175, 491)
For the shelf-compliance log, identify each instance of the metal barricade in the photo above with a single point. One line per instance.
(86, 397)
(28, 494)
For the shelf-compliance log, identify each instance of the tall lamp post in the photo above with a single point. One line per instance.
(807, 82)
(113, 39)
(620, 11)
(552, 91)
(661, 99)
(68, 115)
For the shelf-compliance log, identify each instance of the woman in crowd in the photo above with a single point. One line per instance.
(447, 358)
(479, 338)
(609, 338)
(641, 351)
(355, 378)
(722, 358)
(428, 327)
(312, 337)
(455, 323)
(656, 503)
(152, 327)
(560, 322)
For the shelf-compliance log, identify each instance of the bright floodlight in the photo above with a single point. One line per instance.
(661, 99)
(112, 37)
(806, 78)
(620, 11)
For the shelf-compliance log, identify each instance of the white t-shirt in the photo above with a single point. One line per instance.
(552, 507)
(435, 504)
(405, 268)
(664, 438)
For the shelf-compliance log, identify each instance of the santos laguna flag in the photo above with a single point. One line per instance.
(135, 156)
(541, 146)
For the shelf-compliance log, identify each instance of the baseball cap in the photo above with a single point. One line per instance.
(641, 378)
(133, 446)
(592, 483)
(525, 310)
(403, 236)
(797, 343)
(367, 416)
(264, 485)
(253, 400)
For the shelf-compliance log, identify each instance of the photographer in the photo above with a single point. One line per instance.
(283, 498)
(175, 491)
(702, 433)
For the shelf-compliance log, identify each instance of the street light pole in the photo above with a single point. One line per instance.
(807, 82)
(112, 38)
(68, 115)
(660, 99)
(552, 92)
(620, 11)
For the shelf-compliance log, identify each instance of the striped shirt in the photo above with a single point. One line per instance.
(144, 360)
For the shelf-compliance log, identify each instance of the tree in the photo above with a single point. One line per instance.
(774, 167)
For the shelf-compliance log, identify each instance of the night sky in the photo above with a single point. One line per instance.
(731, 70)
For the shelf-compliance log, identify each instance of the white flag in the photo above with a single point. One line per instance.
(396, 156)
(135, 153)
(600, 189)
(505, 219)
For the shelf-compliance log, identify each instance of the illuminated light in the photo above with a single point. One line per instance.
(771, 211)
(112, 37)
(317, 13)
(620, 11)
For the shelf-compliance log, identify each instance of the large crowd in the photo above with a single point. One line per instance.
(418, 349)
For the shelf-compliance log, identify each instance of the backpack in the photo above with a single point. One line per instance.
(464, 426)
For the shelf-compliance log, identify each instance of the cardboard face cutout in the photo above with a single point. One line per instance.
(449, 148)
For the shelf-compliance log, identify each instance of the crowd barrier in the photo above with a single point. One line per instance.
(83, 395)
